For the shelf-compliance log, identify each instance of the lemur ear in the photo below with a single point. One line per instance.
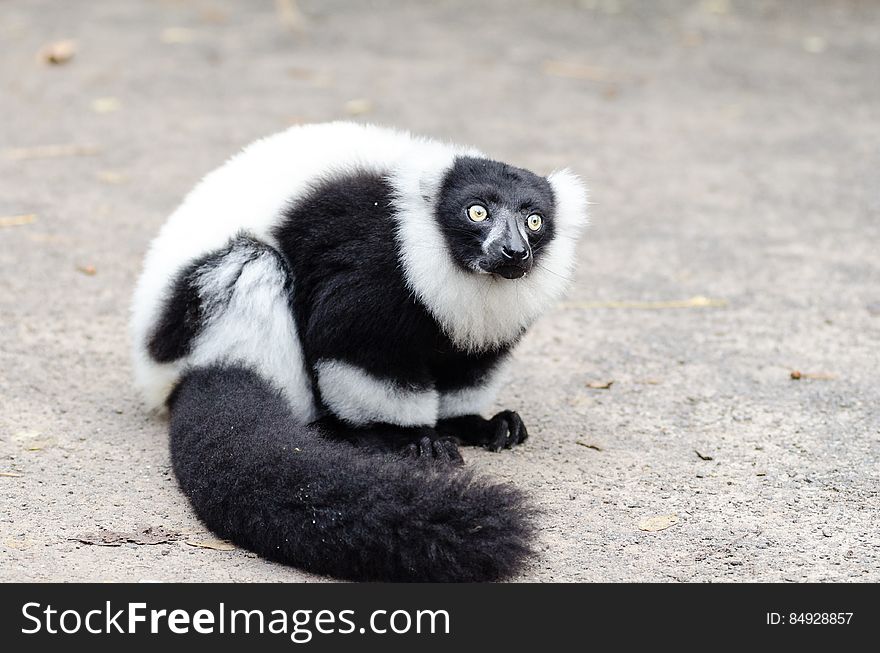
(570, 195)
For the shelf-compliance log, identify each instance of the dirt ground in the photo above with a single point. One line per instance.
(733, 154)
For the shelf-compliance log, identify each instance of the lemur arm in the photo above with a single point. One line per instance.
(468, 386)
(375, 392)
(503, 431)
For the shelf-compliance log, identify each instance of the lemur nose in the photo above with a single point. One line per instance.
(515, 254)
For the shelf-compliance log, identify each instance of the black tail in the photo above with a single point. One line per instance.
(281, 490)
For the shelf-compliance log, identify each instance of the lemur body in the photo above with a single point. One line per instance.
(330, 304)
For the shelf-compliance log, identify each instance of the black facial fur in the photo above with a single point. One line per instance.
(508, 193)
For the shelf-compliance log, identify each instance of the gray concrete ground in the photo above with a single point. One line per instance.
(733, 151)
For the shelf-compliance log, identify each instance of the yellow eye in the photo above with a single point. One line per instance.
(478, 213)
(534, 221)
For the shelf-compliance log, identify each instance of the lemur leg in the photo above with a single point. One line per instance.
(468, 386)
(422, 443)
(381, 415)
(503, 431)
(232, 307)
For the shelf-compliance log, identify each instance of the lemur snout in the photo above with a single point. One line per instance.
(512, 258)
(510, 261)
(515, 254)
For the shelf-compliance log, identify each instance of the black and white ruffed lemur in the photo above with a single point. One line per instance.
(326, 316)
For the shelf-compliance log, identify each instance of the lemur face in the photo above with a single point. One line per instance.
(496, 218)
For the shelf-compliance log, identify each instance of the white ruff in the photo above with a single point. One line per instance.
(360, 398)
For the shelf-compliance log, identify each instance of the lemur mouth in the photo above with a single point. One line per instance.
(509, 271)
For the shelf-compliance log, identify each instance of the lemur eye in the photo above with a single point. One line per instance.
(478, 213)
(534, 222)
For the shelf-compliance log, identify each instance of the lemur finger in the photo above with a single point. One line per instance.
(451, 453)
(518, 431)
(502, 431)
(426, 448)
(446, 452)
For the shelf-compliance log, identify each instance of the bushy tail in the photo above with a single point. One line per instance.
(278, 488)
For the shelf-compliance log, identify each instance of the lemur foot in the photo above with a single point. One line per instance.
(508, 431)
(440, 450)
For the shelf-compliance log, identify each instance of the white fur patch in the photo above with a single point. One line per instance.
(249, 323)
(359, 398)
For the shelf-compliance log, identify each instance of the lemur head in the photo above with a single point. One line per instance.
(496, 218)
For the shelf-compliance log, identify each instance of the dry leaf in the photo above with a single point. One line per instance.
(691, 39)
(215, 545)
(212, 15)
(718, 7)
(315, 77)
(358, 106)
(175, 35)
(33, 440)
(17, 220)
(20, 544)
(49, 151)
(600, 385)
(58, 52)
(290, 15)
(588, 445)
(146, 536)
(10, 475)
(814, 44)
(106, 105)
(576, 71)
(815, 376)
(87, 269)
(703, 456)
(694, 302)
(112, 177)
(658, 523)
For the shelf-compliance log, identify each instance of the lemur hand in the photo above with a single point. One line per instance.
(439, 450)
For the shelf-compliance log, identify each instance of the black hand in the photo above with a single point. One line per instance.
(439, 450)
(508, 431)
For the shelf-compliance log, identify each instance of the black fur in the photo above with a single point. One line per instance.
(283, 491)
(503, 431)
(181, 318)
(496, 186)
